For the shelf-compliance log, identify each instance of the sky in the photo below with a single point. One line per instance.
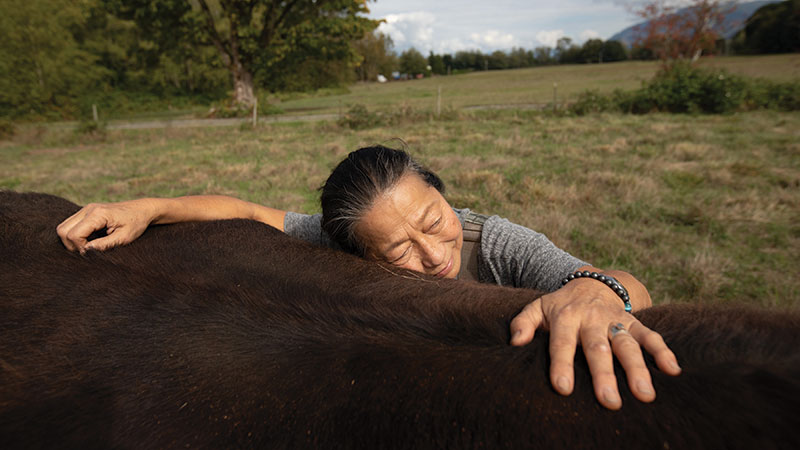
(447, 26)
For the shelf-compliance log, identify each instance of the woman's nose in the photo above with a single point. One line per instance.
(431, 252)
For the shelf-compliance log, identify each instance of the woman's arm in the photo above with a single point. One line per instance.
(126, 221)
(578, 313)
(212, 207)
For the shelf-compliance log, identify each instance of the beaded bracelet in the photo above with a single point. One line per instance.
(610, 281)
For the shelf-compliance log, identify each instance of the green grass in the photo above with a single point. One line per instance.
(526, 86)
(703, 209)
(532, 86)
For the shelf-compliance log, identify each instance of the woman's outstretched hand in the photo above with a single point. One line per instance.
(584, 312)
(123, 221)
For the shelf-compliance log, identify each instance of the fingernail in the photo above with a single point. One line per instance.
(644, 388)
(516, 335)
(610, 396)
(563, 384)
(675, 366)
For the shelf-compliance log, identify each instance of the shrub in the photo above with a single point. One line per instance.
(682, 88)
(7, 129)
(765, 94)
(592, 101)
(226, 109)
(359, 117)
(92, 129)
(269, 109)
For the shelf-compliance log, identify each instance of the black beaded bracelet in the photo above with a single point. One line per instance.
(610, 281)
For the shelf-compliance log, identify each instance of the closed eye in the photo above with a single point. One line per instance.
(435, 225)
(397, 260)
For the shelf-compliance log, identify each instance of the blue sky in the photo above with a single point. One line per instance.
(446, 26)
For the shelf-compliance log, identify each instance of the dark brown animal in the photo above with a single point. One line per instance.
(230, 334)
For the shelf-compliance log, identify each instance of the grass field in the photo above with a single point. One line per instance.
(701, 208)
(526, 86)
(520, 87)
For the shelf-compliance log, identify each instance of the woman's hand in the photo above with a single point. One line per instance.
(583, 311)
(126, 221)
(123, 221)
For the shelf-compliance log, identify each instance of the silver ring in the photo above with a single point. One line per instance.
(616, 329)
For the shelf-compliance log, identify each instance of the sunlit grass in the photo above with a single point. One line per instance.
(538, 85)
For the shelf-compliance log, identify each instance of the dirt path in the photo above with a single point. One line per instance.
(189, 123)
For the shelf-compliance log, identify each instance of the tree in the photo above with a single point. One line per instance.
(252, 36)
(543, 56)
(562, 45)
(614, 51)
(774, 28)
(447, 60)
(518, 57)
(437, 63)
(679, 34)
(498, 60)
(142, 60)
(43, 68)
(642, 53)
(568, 53)
(592, 51)
(412, 62)
(377, 56)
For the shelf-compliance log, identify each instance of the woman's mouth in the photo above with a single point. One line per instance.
(443, 273)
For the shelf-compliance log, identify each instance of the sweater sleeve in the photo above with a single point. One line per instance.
(307, 228)
(513, 255)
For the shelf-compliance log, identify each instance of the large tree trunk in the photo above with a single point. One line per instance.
(243, 92)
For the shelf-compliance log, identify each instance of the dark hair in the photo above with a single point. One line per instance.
(354, 184)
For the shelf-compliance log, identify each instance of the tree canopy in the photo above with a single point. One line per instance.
(672, 34)
(774, 28)
(256, 39)
(412, 62)
(42, 64)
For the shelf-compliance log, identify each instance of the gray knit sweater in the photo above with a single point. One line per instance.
(510, 254)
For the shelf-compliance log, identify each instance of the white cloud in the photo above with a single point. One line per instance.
(493, 39)
(410, 29)
(422, 30)
(447, 26)
(449, 46)
(589, 34)
(549, 38)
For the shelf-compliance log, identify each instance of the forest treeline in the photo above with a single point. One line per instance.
(60, 57)
(774, 28)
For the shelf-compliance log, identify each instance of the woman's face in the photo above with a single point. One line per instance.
(412, 226)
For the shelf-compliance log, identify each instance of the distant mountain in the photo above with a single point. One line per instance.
(733, 22)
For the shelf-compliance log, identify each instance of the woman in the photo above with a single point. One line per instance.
(382, 205)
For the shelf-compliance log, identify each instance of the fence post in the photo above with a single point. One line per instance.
(255, 113)
(94, 113)
(555, 96)
(439, 101)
